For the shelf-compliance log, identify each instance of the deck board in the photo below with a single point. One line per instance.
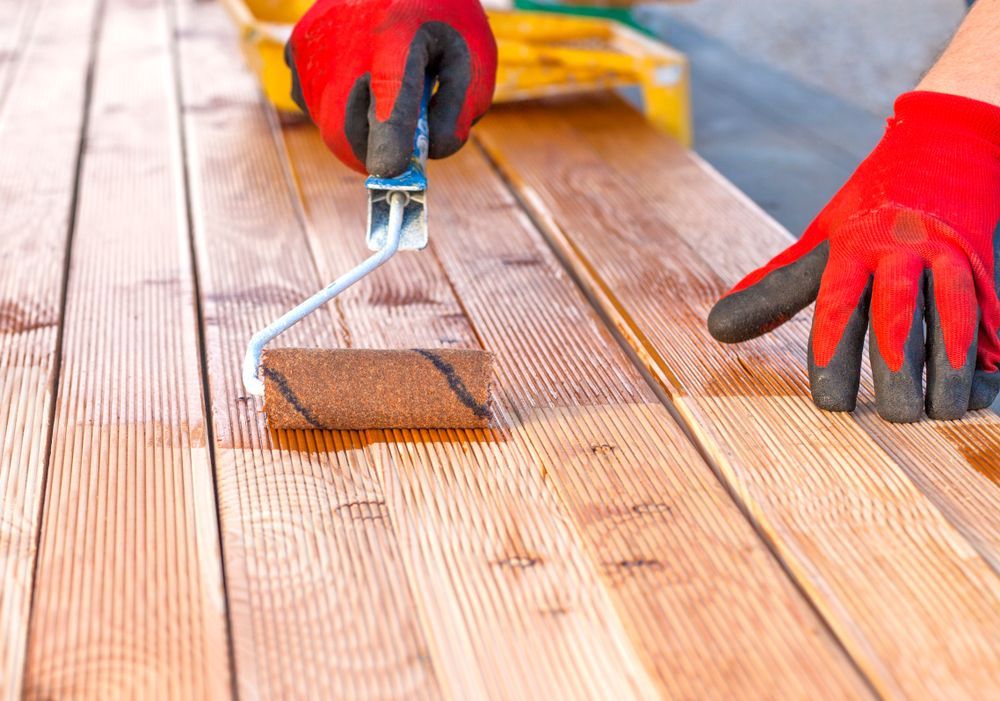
(17, 20)
(948, 460)
(318, 598)
(41, 128)
(656, 238)
(128, 596)
(358, 601)
(671, 519)
(584, 437)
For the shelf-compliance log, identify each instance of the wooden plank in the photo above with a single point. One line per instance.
(312, 559)
(513, 608)
(656, 238)
(42, 128)
(319, 602)
(129, 599)
(705, 606)
(950, 466)
(17, 19)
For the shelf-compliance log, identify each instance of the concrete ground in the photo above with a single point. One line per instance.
(862, 51)
(789, 96)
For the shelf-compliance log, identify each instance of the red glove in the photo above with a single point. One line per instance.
(912, 237)
(360, 68)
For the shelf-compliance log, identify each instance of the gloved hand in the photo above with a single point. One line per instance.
(359, 70)
(912, 237)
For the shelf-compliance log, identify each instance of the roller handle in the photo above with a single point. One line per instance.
(414, 178)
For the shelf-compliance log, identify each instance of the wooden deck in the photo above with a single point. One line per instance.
(654, 515)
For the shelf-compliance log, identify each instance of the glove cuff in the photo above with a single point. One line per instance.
(950, 112)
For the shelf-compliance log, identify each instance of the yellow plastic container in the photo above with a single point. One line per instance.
(540, 54)
(544, 54)
(265, 27)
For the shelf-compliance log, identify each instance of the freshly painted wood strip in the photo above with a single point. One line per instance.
(39, 138)
(704, 606)
(128, 595)
(656, 237)
(319, 602)
(329, 596)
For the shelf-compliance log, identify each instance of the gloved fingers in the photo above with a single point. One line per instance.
(353, 149)
(773, 294)
(985, 389)
(986, 382)
(464, 93)
(952, 325)
(394, 109)
(344, 129)
(837, 341)
(297, 97)
(896, 343)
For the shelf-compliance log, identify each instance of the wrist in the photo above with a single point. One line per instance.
(945, 81)
(968, 67)
(949, 111)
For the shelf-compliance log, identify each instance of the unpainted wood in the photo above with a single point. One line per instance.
(39, 142)
(583, 453)
(128, 594)
(17, 19)
(319, 601)
(656, 238)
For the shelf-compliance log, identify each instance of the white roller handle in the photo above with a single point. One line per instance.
(251, 364)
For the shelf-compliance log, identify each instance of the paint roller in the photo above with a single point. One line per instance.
(357, 389)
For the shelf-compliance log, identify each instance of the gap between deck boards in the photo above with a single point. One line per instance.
(173, 21)
(686, 426)
(679, 417)
(608, 301)
(56, 368)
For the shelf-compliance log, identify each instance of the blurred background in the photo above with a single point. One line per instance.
(799, 89)
(790, 95)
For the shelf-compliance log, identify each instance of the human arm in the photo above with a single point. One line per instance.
(911, 237)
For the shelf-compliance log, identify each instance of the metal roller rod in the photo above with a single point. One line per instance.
(251, 364)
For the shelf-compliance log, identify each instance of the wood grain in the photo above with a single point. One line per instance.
(934, 455)
(309, 541)
(17, 19)
(852, 509)
(128, 595)
(584, 456)
(41, 128)
(319, 602)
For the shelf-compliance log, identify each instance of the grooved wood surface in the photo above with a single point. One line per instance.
(36, 204)
(658, 534)
(871, 519)
(17, 20)
(319, 602)
(651, 516)
(128, 598)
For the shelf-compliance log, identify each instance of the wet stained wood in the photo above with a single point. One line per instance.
(583, 453)
(934, 455)
(879, 524)
(39, 140)
(313, 561)
(582, 547)
(128, 596)
(319, 602)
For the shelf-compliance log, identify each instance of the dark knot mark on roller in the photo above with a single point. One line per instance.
(281, 382)
(458, 387)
